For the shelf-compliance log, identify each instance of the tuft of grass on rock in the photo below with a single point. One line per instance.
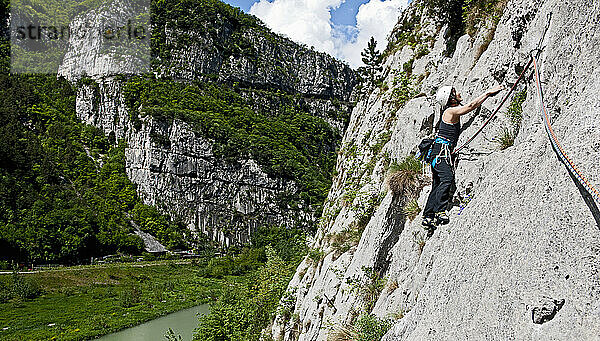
(405, 177)
(506, 138)
(412, 209)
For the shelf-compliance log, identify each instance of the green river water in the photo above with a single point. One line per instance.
(182, 322)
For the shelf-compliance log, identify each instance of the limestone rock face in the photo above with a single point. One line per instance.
(173, 166)
(520, 257)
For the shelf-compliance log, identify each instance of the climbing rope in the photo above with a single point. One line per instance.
(495, 111)
(538, 49)
(554, 140)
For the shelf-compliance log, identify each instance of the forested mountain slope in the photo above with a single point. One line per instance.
(233, 129)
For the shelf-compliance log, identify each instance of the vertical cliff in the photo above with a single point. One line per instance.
(234, 113)
(519, 259)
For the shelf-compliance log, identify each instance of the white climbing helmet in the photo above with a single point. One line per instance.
(443, 95)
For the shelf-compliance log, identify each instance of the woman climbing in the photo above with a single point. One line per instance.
(435, 212)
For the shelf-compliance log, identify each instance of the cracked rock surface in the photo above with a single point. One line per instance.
(521, 261)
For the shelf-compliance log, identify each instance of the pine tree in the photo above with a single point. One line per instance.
(371, 57)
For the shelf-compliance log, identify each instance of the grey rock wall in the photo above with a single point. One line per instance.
(275, 63)
(521, 261)
(173, 167)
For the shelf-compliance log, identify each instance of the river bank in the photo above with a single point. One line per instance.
(82, 303)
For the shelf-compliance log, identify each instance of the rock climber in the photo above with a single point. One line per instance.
(442, 166)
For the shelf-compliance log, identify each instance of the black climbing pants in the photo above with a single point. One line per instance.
(443, 186)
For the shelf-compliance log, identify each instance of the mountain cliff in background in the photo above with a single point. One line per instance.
(519, 259)
(235, 128)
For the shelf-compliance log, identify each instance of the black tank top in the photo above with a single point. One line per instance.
(449, 131)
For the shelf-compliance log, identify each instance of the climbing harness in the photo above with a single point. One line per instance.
(583, 181)
(444, 151)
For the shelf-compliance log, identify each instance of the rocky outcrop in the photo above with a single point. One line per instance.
(519, 259)
(173, 165)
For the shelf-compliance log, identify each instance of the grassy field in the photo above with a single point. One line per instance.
(81, 303)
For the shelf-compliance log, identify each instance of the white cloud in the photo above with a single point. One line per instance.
(309, 22)
(305, 21)
(374, 19)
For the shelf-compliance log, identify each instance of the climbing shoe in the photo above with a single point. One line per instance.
(441, 218)
(428, 222)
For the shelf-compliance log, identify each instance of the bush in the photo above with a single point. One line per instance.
(507, 136)
(476, 12)
(289, 243)
(367, 327)
(371, 327)
(316, 255)
(405, 178)
(345, 239)
(22, 288)
(403, 90)
(515, 110)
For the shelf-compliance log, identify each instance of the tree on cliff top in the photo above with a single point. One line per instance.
(371, 57)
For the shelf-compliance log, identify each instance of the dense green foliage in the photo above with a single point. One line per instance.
(57, 204)
(81, 303)
(289, 245)
(476, 12)
(211, 18)
(371, 328)
(290, 143)
(17, 287)
(244, 309)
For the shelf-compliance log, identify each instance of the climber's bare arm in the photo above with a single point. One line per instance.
(452, 114)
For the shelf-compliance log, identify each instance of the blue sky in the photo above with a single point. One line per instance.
(341, 28)
(344, 15)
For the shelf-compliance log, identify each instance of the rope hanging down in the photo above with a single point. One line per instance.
(554, 140)
(495, 111)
